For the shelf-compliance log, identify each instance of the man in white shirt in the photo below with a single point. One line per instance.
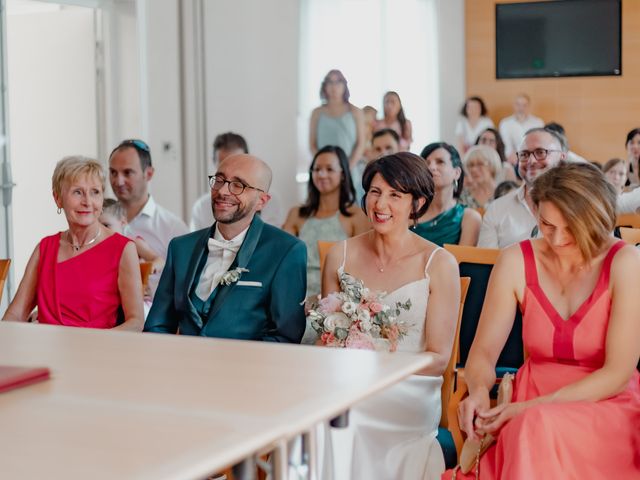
(513, 127)
(130, 172)
(510, 218)
(629, 202)
(225, 145)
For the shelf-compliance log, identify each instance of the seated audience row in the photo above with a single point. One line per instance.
(241, 278)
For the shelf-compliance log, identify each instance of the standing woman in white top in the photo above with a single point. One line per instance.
(337, 122)
(472, 123)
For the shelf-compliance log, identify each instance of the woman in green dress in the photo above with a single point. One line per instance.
(447, 220)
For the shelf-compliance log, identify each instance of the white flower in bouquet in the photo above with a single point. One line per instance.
(349, 308)
(340, 319)
(365, 319)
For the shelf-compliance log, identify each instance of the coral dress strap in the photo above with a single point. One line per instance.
(605, 275)
(530, 272)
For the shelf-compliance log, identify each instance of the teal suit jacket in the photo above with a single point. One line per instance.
(270, 311)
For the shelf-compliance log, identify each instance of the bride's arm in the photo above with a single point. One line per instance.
(442, 310)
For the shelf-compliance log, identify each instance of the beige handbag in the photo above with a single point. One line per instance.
(472, 450)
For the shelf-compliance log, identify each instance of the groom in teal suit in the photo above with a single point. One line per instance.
(240, 278)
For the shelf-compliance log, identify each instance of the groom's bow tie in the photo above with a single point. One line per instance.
(215, 245)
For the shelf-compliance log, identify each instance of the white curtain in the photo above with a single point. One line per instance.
(379, 45)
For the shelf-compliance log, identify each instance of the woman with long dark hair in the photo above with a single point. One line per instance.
(330, 212)
(395, 119)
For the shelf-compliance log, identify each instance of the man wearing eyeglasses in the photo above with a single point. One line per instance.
(130, 171)
(240, 278)
(510, 218)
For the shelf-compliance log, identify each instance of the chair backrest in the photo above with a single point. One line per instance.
(5, 263)
(145, 270)
(448, 376)
(477, 263)
(323, 249)
(631, 220)
(630, 235)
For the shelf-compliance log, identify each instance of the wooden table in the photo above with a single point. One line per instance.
(125, 405)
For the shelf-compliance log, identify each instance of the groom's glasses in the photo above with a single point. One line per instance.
(236, 187)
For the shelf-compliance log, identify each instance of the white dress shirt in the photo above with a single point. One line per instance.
(202, 213)
(629, 202)
(470, 134)
(506, 221)
(222, 253)
(512, 131)
(157, 226)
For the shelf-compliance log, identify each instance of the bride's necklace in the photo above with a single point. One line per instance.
(75, 247)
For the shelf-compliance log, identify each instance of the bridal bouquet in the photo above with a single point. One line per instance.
(356, 318)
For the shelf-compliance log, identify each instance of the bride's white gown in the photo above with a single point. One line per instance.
(392, 435)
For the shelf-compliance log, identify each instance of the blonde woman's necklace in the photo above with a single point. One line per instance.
(76, 247)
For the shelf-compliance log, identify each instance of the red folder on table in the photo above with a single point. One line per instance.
(15, 377)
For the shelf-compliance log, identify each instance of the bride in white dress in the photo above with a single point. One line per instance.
(392, 435)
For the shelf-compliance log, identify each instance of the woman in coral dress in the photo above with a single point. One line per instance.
(575, 411)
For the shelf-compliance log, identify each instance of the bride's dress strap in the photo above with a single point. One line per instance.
(428, 261)
(344, 255)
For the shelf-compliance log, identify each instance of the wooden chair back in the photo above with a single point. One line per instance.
(631, 220)
(466, 254)
(145, 270)
(5, 263)
(323, 250)
(477, 263)
(630, 235)
(449, 373)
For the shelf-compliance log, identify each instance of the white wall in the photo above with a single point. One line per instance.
(251, 75)
(158, 32)
(251, 49)
(52, 114)
(451, 64)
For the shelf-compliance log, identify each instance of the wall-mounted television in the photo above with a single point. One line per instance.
(559, 38)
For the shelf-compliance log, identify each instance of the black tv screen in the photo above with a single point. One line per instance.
(558, 38)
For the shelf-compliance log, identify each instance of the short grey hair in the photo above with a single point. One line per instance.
(487, 154)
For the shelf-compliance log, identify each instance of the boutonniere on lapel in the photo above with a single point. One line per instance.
(232, 276)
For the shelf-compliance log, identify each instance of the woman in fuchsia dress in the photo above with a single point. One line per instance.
(575, 411)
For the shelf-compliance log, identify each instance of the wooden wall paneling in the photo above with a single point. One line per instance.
(597, 112)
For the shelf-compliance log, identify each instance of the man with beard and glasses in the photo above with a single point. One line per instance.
(510, 218)
(240, 278)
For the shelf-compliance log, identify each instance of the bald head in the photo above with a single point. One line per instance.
(248, 169)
